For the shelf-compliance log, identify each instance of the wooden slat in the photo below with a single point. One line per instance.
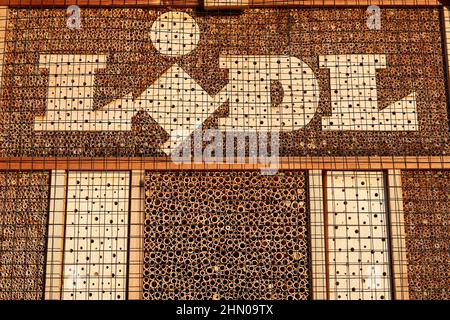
(325, 233)
(446, 14)
(55, 239)
(3, 20)
(398, 240)
(197, 3)
(151, 163)
(291, 3)
(226, 4)
(137, 221)
(317, 232)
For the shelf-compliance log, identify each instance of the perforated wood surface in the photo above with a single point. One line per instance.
(358, 246)
(96, 236)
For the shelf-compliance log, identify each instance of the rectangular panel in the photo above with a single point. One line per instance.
(96, 239)
(357, 236)
(126, 98)
(426, 195)
(23, 232)
(226, 235)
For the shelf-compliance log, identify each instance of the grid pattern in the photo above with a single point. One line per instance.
(354, 97)
(357, 236)
(133, 82)
(125, 86)
(70, 97)
(96, 238)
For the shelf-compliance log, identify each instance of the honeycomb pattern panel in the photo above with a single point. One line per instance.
(358, 251)
(23, 234)
(96, 238)
(426, 196)
(225, 235)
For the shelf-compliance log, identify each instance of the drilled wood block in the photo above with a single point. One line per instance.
(55, 236)
(23, 234)
(225, 235)
(96, 236)
(358, 250)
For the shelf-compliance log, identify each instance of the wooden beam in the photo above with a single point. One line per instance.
(137, 222)
(398, 241)
(285, 163)
(3, 20)
(198, 3)
(226, 4)
(446, 16)
(55, 239)
(317, 232)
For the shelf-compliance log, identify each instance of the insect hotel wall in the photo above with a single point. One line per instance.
(351, 102)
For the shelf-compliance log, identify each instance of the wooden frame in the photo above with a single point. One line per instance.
(285, 163)
(218, 4)
(155, 163)
(57, 228)
(3, 26)
(318, 211)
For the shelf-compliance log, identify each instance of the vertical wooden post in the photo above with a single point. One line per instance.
(446, 13)
(55, 239)
(398, 242)
(3, 24)
(317, 234)
(136, 252)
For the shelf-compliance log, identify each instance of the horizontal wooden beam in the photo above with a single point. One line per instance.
(285, 163)
(198, 3)
(225, 4)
